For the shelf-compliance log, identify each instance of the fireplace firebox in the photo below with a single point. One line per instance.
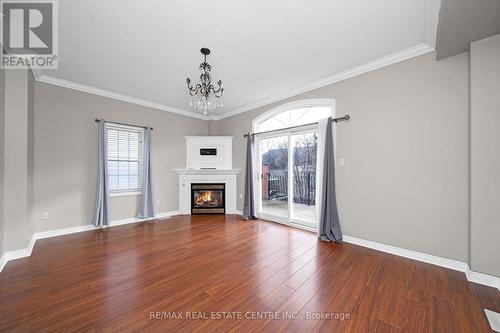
(208, 198)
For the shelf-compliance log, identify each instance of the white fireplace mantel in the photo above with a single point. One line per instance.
(207, 171)
(186, 179)
(215, 168)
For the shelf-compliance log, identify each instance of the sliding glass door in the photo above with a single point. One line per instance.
(287, 174)
(274, 176)
(304, 148)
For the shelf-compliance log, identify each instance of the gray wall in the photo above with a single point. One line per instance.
(212, 127)
(2, 158)
(66, 158)
(31, 150)
(18, 159)
(462, 22)
(404, 181)
(485, 155)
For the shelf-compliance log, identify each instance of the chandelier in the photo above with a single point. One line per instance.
(204, 96)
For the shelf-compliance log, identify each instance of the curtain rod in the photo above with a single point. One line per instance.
(114, 122)
(346, 117)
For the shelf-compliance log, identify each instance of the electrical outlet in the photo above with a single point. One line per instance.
(157, 202)
(341, 162)
(241, 196)
(45, 216)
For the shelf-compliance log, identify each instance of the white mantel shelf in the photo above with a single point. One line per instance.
(207, 171)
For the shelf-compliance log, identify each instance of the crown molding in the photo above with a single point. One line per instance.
(394, 58)
(113, 95)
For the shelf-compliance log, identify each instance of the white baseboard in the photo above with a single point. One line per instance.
(472, 276)
(64, 231)
(428, 258)
(493, 319)
(167, 214)
(126, 221)
(21, 253)
(17, 254)
(483, 279)
(26, 252)
(135, 219)
(3, 262)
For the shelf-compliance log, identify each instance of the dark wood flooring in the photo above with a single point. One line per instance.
(133, 277)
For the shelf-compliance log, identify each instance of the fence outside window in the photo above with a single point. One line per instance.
(276, 187)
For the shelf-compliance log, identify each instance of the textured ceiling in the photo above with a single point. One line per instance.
(260, 49)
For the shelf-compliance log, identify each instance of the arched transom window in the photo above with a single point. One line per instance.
(290, 115)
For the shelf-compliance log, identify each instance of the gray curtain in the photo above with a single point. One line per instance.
(249, 204)
(101, 212)
(329, 228)
(146, 204)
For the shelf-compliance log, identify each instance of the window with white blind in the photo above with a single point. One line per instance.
(125, 156)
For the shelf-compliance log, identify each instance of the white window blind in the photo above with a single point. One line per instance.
(125, 156)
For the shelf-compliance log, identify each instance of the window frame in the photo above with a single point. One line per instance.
(140, 161)
(298, 104)
(290, 220)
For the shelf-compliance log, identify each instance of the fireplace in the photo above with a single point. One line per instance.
(209, 168)
(208, 198)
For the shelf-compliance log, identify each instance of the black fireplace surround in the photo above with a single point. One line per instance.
(208, 198)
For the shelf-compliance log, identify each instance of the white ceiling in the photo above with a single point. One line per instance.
(260, 49)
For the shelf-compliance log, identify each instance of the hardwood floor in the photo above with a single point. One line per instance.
(132, 277)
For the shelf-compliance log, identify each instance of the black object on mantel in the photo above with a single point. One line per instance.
(208, 151)
(208, 168)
